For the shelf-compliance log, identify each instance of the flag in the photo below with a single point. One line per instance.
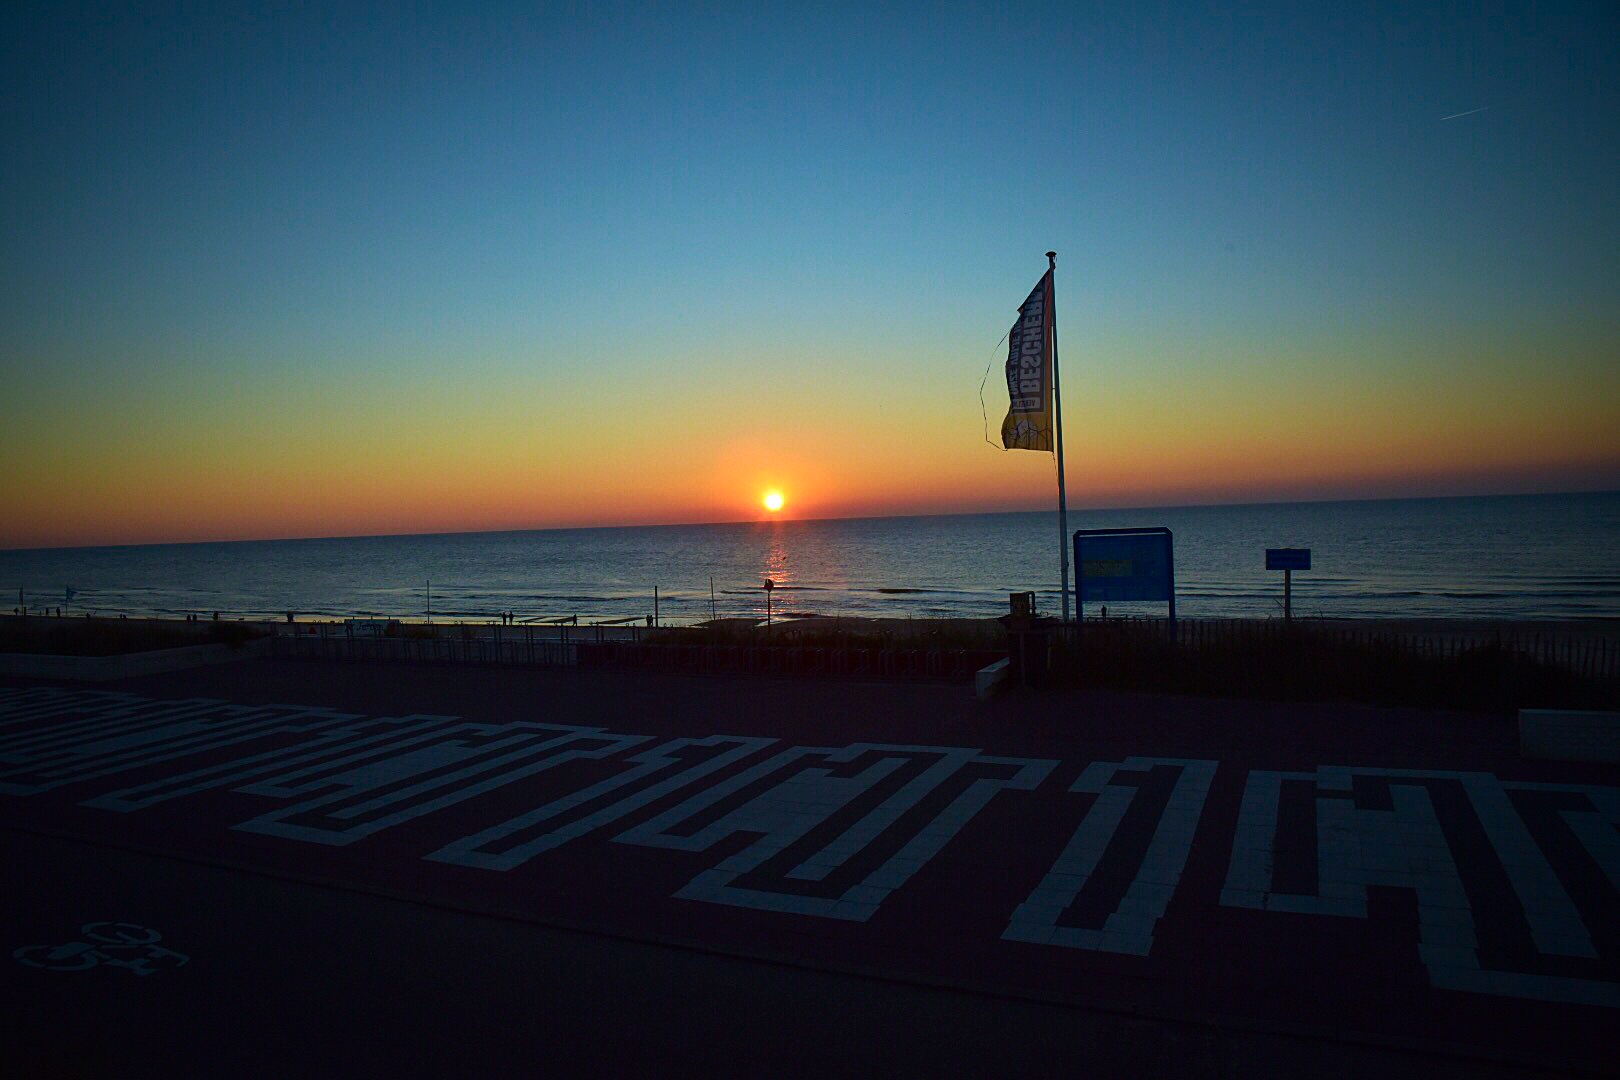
(1029, 373)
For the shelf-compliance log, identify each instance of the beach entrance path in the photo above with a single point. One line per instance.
(1252, 878)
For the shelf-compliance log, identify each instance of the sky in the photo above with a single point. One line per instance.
(342, 270)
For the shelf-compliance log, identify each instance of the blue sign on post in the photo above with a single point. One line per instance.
(1288, 558)
(1124, 564)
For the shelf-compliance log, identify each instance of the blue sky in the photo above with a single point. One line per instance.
(468, 203)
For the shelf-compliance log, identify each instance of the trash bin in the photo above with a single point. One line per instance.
(1029, 642)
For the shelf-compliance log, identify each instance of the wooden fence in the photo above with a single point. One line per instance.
(1586, 654)
(521, 650)
(511, 651)
(1578, 650)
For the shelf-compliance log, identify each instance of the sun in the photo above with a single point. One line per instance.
(774, 501)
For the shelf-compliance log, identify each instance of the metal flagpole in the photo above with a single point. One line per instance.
(1057, 426)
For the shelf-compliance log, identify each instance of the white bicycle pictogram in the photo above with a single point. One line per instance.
(116, 944)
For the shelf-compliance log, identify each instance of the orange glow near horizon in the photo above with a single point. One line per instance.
(197, 455)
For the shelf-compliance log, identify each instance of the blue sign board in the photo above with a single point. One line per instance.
(1123, 567)
(1288, 558)
(1124, 564)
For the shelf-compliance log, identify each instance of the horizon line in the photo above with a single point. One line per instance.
(860, 517)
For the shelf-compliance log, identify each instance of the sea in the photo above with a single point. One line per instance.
(1502, 557)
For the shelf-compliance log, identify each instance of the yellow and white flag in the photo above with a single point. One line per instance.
(1029, 373)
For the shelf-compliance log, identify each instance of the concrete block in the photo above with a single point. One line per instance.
(991, 679)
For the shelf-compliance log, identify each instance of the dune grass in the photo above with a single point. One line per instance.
(834, 634)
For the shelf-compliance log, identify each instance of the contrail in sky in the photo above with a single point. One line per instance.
(1470, 112)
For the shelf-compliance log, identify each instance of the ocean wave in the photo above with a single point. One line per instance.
(756, 590)
(968, 592)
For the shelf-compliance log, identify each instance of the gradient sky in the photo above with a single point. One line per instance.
(332, 272)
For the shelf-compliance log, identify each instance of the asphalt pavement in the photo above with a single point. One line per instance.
(372, 870)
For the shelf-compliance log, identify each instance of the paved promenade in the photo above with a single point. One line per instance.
(1393, 879)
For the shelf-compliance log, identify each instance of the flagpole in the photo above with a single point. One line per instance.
(1057, 427)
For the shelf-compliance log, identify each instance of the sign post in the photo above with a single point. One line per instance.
(1288, 560)
(769, 585)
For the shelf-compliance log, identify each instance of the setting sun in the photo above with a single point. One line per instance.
(773, 500)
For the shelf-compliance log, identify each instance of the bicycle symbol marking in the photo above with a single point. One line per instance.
(115, 944)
